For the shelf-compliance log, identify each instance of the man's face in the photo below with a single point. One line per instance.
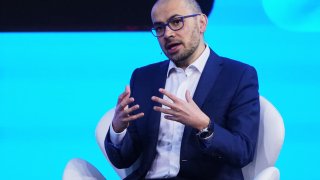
(179, 46)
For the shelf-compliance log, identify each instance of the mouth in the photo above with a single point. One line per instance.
(173, 47)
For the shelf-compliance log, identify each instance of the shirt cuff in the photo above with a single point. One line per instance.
(116, 138)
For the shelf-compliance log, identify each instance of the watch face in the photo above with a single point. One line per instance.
(205, 134)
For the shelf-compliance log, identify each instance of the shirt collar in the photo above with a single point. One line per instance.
(198, 64)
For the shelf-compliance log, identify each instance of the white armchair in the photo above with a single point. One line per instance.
(270, 140)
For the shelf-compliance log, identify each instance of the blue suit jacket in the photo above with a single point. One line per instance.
(227, 92)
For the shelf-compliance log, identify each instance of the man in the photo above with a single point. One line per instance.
(194, 116)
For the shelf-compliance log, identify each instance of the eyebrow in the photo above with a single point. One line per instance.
(171, 17)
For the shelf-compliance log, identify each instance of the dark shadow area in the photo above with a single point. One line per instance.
(79, 15)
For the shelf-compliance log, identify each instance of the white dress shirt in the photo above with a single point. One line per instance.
(167, 161)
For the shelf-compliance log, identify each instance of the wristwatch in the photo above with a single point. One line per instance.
(206, 132)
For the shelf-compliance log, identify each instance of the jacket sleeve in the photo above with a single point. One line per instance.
(125, 154)
(235, 142)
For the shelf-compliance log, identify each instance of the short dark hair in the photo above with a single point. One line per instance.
(194, 5)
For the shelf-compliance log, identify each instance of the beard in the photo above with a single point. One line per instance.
(182, 58)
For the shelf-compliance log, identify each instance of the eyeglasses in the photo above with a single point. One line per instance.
(175, 24)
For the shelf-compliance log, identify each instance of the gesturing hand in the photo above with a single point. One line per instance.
(185, 112)
(122, 115)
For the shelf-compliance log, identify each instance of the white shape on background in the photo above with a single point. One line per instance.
(294, 15)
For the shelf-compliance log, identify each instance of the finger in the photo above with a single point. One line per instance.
(173, 118)
(125, 93)
(131, 109)
(133, 117)
(124, 103)
(121, 96)
(169, 95)
(164, 110)
(127, 89)
(164, 102)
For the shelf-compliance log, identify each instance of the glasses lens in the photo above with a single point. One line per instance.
(158, 30)
(154, 32)
(176, 23)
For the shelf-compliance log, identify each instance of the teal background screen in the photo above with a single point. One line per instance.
(54, 87)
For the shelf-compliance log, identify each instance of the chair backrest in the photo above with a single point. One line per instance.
(270, 140)
(101, 132)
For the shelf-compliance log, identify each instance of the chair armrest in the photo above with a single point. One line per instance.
(81, 170)
(270, 173)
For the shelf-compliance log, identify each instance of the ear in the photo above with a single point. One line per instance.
(203, 23)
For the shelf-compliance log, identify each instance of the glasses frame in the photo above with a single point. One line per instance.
(164, 25)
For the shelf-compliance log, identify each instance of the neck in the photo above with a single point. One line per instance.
(191, 59)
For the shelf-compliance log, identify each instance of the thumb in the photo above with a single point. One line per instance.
(128, 90)
(188, 96)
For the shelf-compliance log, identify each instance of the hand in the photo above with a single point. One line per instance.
(122, 115)
(185, 112)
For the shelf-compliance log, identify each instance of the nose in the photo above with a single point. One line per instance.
(168, 32)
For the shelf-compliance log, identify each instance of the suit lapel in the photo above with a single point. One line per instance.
(159, 82)
(205, 84)
(208, 78)
(153, 123)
